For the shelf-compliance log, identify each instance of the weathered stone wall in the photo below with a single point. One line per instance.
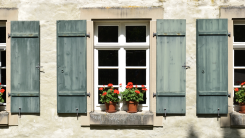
(49, 124)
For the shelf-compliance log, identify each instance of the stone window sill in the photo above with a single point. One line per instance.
(4, 118)
(237, 119)
(144, 118)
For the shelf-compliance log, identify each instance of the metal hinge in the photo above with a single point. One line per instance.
(229, 34)
(88, 35)
(154, 34)
(9, 35)
(88, 94)
(154, 94)
(229, 95)
(38, 66)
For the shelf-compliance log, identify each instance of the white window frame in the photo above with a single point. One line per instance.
(121, 46)
(2, 48)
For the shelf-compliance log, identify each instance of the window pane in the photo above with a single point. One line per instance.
(239, 75)
(239, 33)
(144, 97)
(108, 57)
(100, 92)
(2, 34)
(135, 57)
(108, 33)
(137, 76)
(3, 58)
(135, 33)
(239, 58)
(108, 76)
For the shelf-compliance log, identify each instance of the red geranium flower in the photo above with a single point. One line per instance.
(101, 88)
(138, 92)
(2, 90)
(136, 86)
(236, 89)
(104, 93)
(116, 91)
(144, 89)
(120, 84)
(110, 85)
(142, 86)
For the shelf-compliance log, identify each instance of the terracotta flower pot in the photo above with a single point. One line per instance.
(242, 108)
(110, 107)
(132, 107)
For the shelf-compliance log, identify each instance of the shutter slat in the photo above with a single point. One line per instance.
(212, 66)
(72, 66)
(25, 56)
(171, 76)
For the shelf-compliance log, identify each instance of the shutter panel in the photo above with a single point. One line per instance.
(171, 76)
(212, 66)
(71, 66)
(25, 76)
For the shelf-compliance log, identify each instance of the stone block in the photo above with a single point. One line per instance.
(4, 118)
(121, 118)
(237, 119)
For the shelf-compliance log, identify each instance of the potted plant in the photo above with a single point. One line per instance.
(132, 95)
(1, 94)
(109, 97)
(240, 97)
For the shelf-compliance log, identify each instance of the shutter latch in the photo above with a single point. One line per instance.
(165, 112)
(77, 113)
(218, 112)
(19, 111)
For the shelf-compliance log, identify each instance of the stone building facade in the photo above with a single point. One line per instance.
(47, 122)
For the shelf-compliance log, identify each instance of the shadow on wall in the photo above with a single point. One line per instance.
(232, 132)
(191, 133)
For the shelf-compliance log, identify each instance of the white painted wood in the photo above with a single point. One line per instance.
(121, 46)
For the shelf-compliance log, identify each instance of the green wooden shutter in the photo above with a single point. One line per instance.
(25, 74)
(212, 66)
(171, 76)
(71, 66)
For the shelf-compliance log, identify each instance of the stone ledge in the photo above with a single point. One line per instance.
(121, 118)
(237, 119)
(4, 118)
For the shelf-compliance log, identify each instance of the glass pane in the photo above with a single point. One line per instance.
(239, 75)
(2, 34)
(239, 33)
(100, 92)
(239, 58)
(137, 76)
(135, 33)
(3, 58)
(135, 57)
(108, 33)
(108, 57)
(144, 97)
(108, 76)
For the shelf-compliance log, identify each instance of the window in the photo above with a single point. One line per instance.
(121, 55)
(3, 59)
(238, 52)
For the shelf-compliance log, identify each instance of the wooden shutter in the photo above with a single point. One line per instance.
(71, 66)
(25, 74)
(212, 66)
(171, 76)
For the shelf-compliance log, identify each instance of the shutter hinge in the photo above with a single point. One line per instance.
(9, 35)
(154, 34)
(38, 66)
(154, 94)
(229, 95)
(9, 94)
(88, 94)
(88, 35)
(229, 34)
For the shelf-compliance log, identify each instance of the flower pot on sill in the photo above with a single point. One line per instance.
(110, 107)
(132, 106)
(242, 108)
